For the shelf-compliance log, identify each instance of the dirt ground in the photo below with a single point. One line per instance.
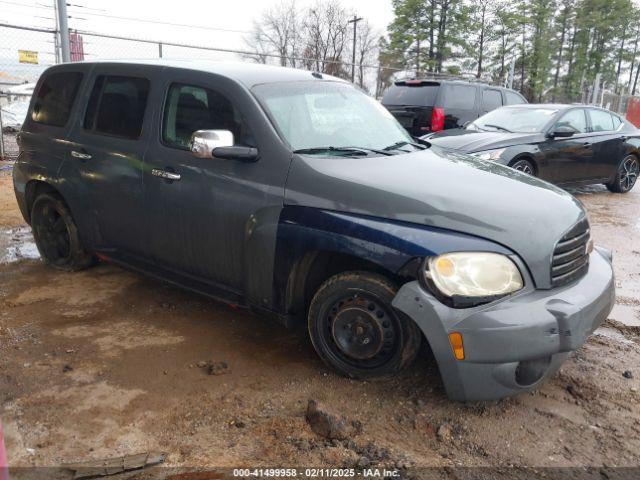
(105, 363)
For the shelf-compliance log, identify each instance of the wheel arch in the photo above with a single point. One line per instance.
(528, 157)
(310, 271)
(33, 189)
(313, 245)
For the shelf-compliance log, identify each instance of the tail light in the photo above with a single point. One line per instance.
(437, 119)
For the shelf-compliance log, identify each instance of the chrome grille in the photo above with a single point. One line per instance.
(570, 258)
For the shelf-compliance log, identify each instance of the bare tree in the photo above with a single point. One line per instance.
(366, 48)
(326, 26)
(276, 32)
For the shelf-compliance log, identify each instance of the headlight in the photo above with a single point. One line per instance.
(489, 154)
(472, 278)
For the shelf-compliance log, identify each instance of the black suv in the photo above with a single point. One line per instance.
(424, 106)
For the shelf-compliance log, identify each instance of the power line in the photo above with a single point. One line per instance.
(28, 5)
(25, 14)
(157, 22)
(224, 50)
(86, 8)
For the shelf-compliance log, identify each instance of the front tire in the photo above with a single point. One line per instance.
(524, 166)
(626, 175)
(356, 331)
(56, 235)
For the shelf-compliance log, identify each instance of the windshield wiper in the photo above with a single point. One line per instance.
(338, 150)
(342, 150)
(397, 145)
(374, 150)
(498, 127)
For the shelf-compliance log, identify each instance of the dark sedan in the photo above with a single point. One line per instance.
(563, 144)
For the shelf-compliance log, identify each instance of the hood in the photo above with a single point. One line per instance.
(471, 141)
(443, 189)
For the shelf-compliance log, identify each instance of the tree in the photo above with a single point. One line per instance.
(482, 23)
(326, 28)
(505, 38)
(277, 32)
(409, 31)
(563, 24)
(367, 40)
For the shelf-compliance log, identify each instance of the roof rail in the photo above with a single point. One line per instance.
(434, 76)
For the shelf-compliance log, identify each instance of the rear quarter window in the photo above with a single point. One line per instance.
(420, 95)
(460, 97)
(55, 97)
(513, 98)
(601, 121)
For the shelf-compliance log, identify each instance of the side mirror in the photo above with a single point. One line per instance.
(203, 142)
(561, 132)
(242, 154)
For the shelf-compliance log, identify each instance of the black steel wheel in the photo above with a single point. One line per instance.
(626, 175)
(56, 234)
(356, 331)
(524, 166)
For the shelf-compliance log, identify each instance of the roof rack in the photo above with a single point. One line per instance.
(434, 76)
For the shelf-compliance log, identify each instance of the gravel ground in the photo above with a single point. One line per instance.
(104, 363)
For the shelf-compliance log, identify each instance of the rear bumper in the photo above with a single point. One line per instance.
(512, 345)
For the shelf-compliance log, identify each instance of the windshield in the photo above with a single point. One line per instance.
(517, 120)
(318, 115)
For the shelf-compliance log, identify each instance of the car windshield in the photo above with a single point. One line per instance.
(513, 119)
(332, 118)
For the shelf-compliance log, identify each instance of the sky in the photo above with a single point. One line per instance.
(227, 25)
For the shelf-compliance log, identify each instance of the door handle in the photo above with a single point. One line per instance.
(166, 175)
(80, 155)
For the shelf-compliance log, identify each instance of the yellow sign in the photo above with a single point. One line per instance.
(27, 56)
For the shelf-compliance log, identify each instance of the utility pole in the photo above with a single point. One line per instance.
(64, 30)
(355, 21)
(56, 38)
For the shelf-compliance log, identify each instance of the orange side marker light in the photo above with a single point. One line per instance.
(455, 339)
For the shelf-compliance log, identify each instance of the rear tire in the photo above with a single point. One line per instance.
(524, 166)
(626, 175)
(56, 235)
(355, 330)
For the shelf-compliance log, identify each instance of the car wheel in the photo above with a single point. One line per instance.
(524, 166)
(56, 234)
(626, 175)
(355, 330)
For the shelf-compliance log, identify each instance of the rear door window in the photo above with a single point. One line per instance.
(117, 105)
(460, 97)
(513, 98)
(601, 121)
(491, 99)
(420, 94)
(55, 98)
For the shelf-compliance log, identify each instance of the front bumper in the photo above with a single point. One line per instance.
(513, 344)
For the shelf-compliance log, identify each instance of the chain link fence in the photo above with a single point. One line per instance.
(25, 52)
